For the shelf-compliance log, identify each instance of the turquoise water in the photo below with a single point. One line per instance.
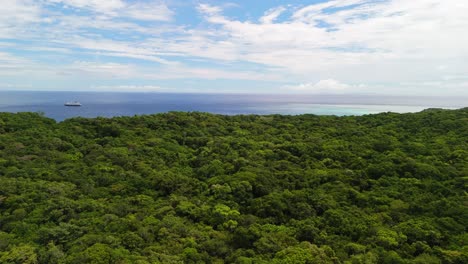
(340, 110)
(128, 104)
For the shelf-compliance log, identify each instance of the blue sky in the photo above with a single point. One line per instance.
(342, 46)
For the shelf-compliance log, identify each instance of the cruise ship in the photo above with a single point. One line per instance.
(75, 103)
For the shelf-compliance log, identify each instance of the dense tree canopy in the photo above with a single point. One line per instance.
(202, 188)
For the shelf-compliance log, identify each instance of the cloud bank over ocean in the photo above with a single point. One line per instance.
(341, 46)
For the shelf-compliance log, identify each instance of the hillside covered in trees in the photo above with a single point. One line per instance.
(202, 188)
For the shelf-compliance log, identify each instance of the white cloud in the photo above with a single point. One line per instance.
(12, 65)
(186, 72)
(385, 42)
(7, 86)
(114, 48)
(19, 11)
(366, 41)
(314, 12)
(15, 14)
(152, 10)
(209, 9)
(97, 70)
(272, 14)
(128, 88)
(7, 58)
(106, 6)
(325, 86)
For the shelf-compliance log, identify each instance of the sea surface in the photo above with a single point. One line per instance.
(109, 104)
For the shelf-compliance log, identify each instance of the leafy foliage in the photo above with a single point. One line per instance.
(202, 188)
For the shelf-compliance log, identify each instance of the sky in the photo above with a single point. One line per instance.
(388, 47)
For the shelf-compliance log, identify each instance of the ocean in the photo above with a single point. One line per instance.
(110, 104)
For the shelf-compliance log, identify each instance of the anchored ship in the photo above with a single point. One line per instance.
(75, 103)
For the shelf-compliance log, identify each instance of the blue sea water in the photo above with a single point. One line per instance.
(108, 104)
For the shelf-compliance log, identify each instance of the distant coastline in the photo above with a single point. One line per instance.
(109, 104)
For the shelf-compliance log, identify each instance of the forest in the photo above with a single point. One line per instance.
(194, 187)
